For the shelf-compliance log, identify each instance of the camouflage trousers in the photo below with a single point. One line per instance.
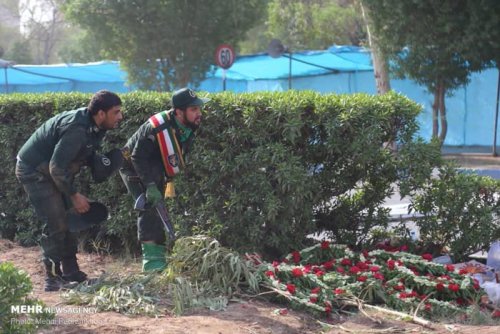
(149, 224)
(50, 206)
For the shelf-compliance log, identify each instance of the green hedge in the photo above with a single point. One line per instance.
(266, 170)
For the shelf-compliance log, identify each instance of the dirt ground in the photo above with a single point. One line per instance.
(245, 317)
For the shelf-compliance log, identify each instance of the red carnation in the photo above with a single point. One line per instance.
(439, 287)
(338, 291)
(296, 256)
(362, 265)
(319, 273)
(328, 264)
(362, 278)
(354, 270)
(325, 245)
(297, 272)
(275, 264)
(427, 256)
(316, 289)
(428, 307)
(450, 267)
(475, 284)
(391, 264)
(378, 276)
(403, 248)
(328, 309)
(340, 270)
(290, 288)
(398, 287)
(374, 269)
(269, 273)
(313, 300)
(453, 287)
(346, 262)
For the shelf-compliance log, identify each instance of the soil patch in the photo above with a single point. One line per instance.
(246, 316)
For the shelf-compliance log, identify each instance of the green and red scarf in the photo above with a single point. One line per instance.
(170, 149)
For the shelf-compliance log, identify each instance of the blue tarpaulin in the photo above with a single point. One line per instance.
(63, 78)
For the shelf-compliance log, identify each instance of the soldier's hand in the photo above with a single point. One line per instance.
(153, 195)
(80, 203)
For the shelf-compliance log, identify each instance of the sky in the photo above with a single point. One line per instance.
(38, 10)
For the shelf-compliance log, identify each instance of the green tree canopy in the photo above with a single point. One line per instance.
(433, 43)
(20, 52)
(315, 24)
(164, 44)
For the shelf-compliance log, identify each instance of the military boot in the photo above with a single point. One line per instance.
(153, 257)
(53, 275)
(71, 271)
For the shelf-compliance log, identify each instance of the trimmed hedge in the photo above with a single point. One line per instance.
(266, 170)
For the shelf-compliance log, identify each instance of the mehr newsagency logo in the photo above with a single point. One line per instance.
(40, 309)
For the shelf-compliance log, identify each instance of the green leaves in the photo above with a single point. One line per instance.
(15, 288)
(168, 43)
(303, 25)
(460, 211)
(436, 41)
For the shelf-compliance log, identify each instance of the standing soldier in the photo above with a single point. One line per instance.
(154, 154)
(46, 166)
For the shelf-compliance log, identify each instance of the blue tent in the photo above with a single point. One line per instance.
(334, 70)
(63, 78)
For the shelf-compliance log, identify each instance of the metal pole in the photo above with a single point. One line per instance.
(290, 70)
(223, 79)
(496, 116)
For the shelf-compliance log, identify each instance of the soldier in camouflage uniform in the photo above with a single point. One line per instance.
(153, 155)
(46, 166)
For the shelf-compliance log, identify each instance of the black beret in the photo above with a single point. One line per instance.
(96, 214)
(103, 165)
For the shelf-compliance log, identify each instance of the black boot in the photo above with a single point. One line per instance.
(53, 275)
(71, 271)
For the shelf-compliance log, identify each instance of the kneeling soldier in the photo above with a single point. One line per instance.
(46, 166)
(154, 154)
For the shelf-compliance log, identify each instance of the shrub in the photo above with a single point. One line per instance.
(461, 211)
(15, 286)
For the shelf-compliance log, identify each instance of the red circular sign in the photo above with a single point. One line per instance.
(224, 56)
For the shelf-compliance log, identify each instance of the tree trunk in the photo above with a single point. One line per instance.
(442, 112)
(435, 113)
(380, 69)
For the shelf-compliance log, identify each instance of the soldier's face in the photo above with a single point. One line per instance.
(192, 117)
(111, 118)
